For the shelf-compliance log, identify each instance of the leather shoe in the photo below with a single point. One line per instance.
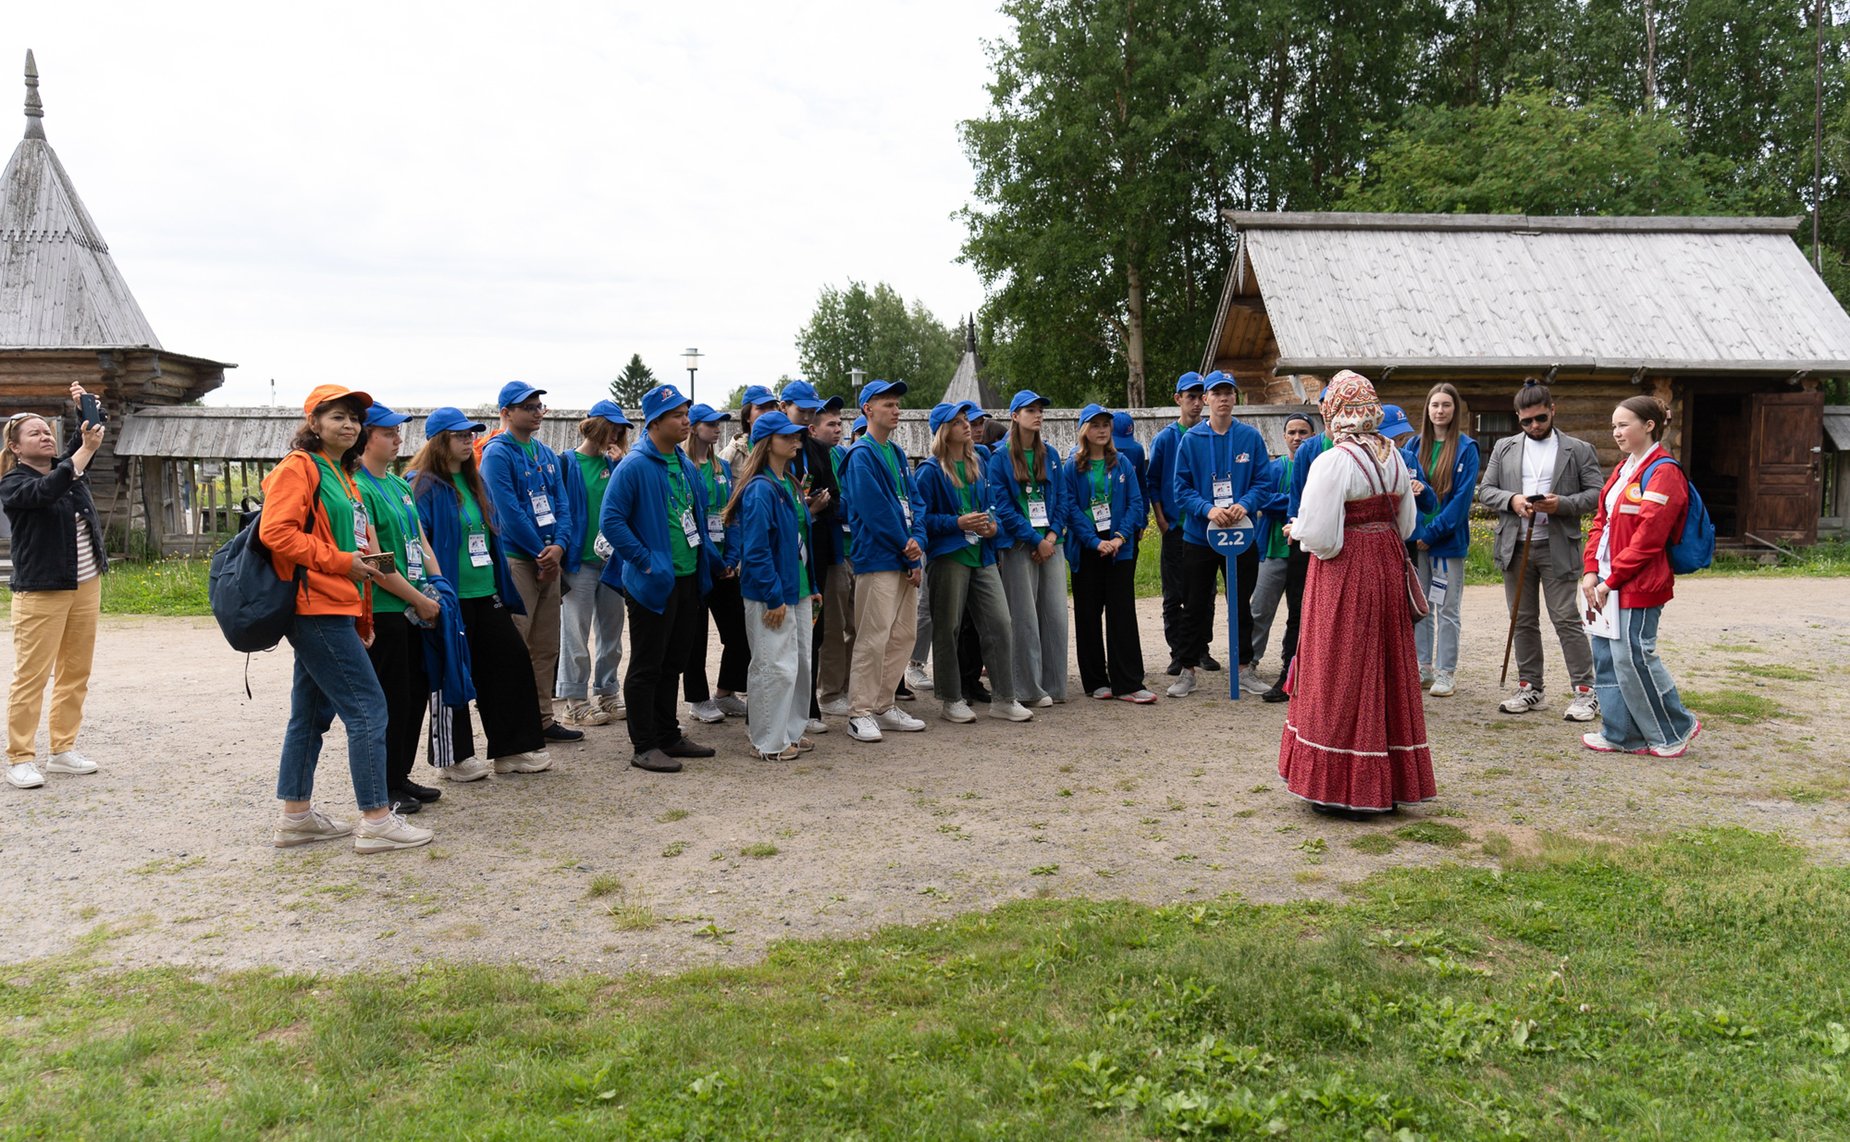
(1208, 662)
(687, 747)
(421, 792)
(655, 761)
(1275, 694)
(1174, 669)
(977, 692)
(559, 733)
(404, 802)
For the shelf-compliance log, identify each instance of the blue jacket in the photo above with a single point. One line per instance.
(1012, 526)
(767, 530)
(1448, 534)
(584, 514)
(512, 480)
(440, 510)
(1239, 456)
(635, 523)
(1132, 449)
(1160, 475)
(446, 649)
(941, 504)
(874, 515)
(1272, 513)
(1127, 510)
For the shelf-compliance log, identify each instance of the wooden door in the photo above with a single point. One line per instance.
(1784, 478)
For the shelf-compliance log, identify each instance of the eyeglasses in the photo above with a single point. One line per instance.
(531, 406)
(1539, 418)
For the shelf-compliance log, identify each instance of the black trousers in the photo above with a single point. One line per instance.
(1297, 567)
(727, 607)
(397, 655)
(502, 671)
(661, 647)
(1172, 559)
(1203, 567)
(969, 654)
(1105, 625)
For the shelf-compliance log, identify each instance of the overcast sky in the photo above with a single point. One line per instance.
(429, 199)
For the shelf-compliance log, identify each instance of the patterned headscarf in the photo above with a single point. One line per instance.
(1352, 411)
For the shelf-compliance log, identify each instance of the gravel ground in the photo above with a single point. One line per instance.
(165, 858)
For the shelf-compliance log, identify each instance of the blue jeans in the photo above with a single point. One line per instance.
(1445, 617)
(589, 611)
(333, 676)
(1638, 701)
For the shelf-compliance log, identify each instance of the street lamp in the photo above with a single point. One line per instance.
(692, 357)
(856, 375)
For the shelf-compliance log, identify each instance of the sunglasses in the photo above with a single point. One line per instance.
(1539, 418)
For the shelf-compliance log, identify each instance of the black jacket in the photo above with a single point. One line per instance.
(825, 530)
(43, 511)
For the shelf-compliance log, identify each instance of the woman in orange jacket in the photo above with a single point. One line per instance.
(313, 518)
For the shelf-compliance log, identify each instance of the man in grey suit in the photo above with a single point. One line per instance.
(1544, 474)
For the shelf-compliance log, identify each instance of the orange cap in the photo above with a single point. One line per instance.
(322, 394)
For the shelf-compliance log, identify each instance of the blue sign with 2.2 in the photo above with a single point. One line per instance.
(1230, 540)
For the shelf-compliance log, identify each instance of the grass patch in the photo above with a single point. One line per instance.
(1433, 833)
(671, 816)
(158, 587)
(759, 850)
(631, 917)
(1373, 843)
(604, 884)
(1774, 670)
(1739, 707)
(1679, 990)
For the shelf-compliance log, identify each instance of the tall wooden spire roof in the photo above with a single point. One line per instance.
(59, 288)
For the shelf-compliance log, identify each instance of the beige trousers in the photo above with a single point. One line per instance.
(886, 618)
(837, 633)
(54, 637)
(539, 627)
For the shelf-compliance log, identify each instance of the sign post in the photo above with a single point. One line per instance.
(1231, 542)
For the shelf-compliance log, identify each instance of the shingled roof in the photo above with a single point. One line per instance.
(1310, 293)
(59, 288)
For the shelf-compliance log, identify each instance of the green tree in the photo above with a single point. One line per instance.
(635, 380)
(1535, 152)
(880, 332)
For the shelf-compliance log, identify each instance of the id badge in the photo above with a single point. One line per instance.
(414, 560)
(1101, 517)
(905, 507)
(1435, 590)
(1223, 493)
(1037, 513)
(542, 509)
(359, 527)
(601, 547)
(972, 538)
(478, 549)
(688, 527)
(716, 526)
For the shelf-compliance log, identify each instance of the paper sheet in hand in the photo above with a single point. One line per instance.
(1603, 623)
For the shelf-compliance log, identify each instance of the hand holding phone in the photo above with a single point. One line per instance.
(383, 562)
(92, 409)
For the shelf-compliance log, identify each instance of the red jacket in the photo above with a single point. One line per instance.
(1647, 522)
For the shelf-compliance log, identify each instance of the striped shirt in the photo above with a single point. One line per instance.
(86, 551)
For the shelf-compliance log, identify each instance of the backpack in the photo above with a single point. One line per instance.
(1694, 547)
(253, 607)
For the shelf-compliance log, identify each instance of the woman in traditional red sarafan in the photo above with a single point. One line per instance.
(1355, 737)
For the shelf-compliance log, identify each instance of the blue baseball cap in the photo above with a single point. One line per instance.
(757, 395)
(514, 392)
(379, 416)
(1188, 381)
(1122, 424)
(1394, 421)
(860, 425)
(660, 399)
(1090, 411)
(773, 423)
(873, 389)
(611, 411)
(706, 414)
(947, 411)
(976, 412)
(803, 395)
(1217, 378)
(1024, 398)
(450, 420)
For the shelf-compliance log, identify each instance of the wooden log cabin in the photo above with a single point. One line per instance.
(66, 314)
(1724, 319)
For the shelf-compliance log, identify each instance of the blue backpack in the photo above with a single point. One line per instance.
(1694, 547)
(253, 607)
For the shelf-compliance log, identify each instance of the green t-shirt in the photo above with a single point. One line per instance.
(1426, 518)
(1030, 491)
(1280, 547)
(596, 472)
(713, 479)
(339, 497)
(802, 534)
(472, 582)
(969, 554)
(680, 502)
(395, 518)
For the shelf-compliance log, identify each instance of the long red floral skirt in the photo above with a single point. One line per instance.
(1355, 734)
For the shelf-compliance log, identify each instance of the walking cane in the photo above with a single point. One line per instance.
(1522, 577)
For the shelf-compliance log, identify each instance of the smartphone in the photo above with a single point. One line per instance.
(384, 562)
(92, 409)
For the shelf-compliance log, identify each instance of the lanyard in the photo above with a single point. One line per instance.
(889, 454)
(1101, 481)
(405, 509)
(471, 511)
(1214, 450)
(680, 493)
(709, 475)
(353, 489)
(802, 516)
(966, 495)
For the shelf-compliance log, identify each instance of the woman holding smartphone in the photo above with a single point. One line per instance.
(1105, 512)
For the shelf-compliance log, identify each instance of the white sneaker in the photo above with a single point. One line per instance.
(836, 707)
(709, 712)
(1010, 711)
(916, 678)
(731, 706)
(24, 775)
(472, 770)
(70, 761)
(314, 826)
(579, 712)
(1103, 694)
(894, 718)
(1442, 684)
(612, 704)
(1600, 744)
(1584, 707)
(865, 730)
(533, 761)
(1250, 682)
(958, 711)
(1528, 698)
(1676, 749)
(388, 832)
(1044, 702)
(1184, 685)
(1425, 676)
(1141, 697)
(816, 726)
